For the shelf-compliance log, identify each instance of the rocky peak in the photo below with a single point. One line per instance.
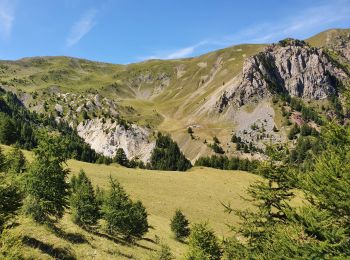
(292, 67)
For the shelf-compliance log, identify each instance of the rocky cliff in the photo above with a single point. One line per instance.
(290, 66)
(107, 137)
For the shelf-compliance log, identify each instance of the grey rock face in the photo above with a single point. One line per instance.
(294, 68)
(107, 137)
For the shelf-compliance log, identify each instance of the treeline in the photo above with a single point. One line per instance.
(21, 127)
(225, 163)
(167, 155)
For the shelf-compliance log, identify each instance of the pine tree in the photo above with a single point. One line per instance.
(234, 138)
(10, 200)
(179, 225)
(15, 161)
(121, 158)
(190, 130)
(7, 130)
(318, 230)
(121, 214)
(203, 244)
(46, 187)
(270, 197)
(2, 161)
(85, 210)
(167, 155)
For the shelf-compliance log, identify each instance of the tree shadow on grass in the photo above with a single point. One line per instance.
(57, 253)
(74, 238)
(117, 240)
(149, 240)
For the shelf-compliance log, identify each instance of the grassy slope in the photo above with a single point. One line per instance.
(198, 192)
(192, 81)
(323, 38)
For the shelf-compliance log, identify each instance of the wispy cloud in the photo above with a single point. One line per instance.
(81, 27)
(7, 17)
(176, 54)
(301, 25)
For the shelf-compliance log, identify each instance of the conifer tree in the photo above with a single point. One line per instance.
(15, 161)
(167, 155)
(203, 244)
(10, 200)
(179, 225)
(7, 130)
(318, 230)
(121, 214)
(121, 158)
(85, 210)
(270, 197)
(2, 161)
(46, 187)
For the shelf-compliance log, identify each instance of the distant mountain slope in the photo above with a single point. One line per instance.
(216, 94)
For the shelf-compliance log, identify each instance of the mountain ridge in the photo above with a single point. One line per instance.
(164, 95)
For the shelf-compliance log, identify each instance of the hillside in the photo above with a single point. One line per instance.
(217, 94)
(223, 110)
(161, 192)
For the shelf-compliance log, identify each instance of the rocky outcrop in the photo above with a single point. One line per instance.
(107, 137)
(291, 67)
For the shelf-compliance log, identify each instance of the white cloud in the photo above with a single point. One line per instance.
(7, 17)
(176, 54)
(81, 27)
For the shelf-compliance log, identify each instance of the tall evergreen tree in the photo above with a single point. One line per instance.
(203, 244)
(46, 187)
(121, 158)
(121, 214)
(271, 198)
(167, 155)
(10, 200)
(15, 161)
(7, 130)
(179, 225)
(85, 210)
(318, 230)
(2, 161)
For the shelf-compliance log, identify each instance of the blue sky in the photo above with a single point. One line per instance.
(125, 31)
